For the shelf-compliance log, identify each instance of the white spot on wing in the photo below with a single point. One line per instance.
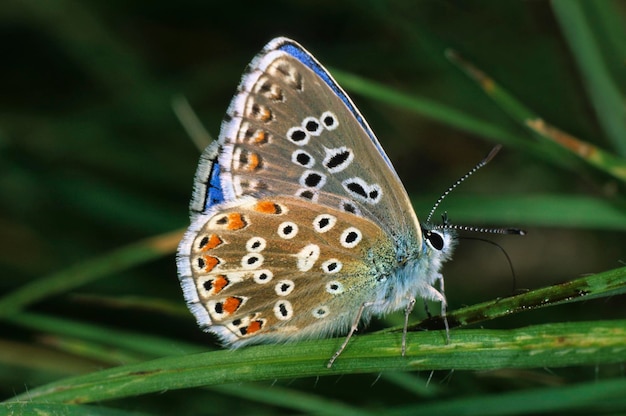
(320, 312)
(324, 222)
(332, 266)
(307, 257)
(334, 288)
(283, 310)
(251, 261)
(287, 230)
(338, 159)
(256, 244)
(350, 237)
(284, 287)
(329, 120)
(262, 276)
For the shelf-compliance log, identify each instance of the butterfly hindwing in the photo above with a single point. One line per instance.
(280, 264)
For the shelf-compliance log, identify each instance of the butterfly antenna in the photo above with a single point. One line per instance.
(481, 230)
(462, 179)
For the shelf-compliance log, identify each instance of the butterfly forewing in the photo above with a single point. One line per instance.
(289, 133)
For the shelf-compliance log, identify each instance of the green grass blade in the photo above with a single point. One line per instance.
(594, 397)
(128, 341)
(553, 345)
(57, 409)
(191, 122)
(114, 346)
(427, 108)
(571, 211)
(446, 115)
(610, 283)
(601, 159)
(42, 359)
(288, 398)
(89, 271)
(602, 89)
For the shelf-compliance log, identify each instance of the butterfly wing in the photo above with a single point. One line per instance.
(278, 269)
(291, 130)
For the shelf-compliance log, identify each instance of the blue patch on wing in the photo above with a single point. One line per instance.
(214, 194)
(207, 186)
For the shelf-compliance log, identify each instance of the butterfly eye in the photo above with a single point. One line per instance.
(435, 239)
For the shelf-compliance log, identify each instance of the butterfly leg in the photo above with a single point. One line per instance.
(353, 329)
(430, 293)
(444, 305)
(407, 312)
(427, 310)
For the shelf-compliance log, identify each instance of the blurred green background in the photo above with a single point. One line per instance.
(93, 158)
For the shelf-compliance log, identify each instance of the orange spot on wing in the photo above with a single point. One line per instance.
(231, 304)
(235, 221)
(219, 283)
(253, 161)
(266, 115)
(267, 207)
(210, 262)
(213, 241)
(260, 137)
(254, 326)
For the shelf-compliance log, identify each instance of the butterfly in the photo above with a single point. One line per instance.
(300, 226)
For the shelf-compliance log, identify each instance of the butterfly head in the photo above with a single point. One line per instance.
(438, 242)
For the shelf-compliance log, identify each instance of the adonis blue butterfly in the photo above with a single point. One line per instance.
(301, 227)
